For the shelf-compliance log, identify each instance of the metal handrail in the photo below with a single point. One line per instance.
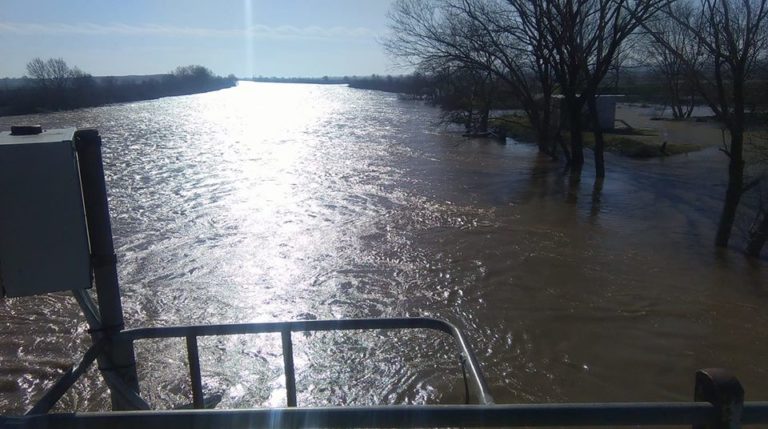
(190, 333)
(718, 395)
(607, 414)
(468, 359)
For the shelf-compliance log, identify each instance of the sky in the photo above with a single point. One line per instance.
(242, 37)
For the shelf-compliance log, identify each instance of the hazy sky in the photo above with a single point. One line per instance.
(244, 37)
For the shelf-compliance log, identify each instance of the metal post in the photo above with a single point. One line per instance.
(721, 389)
(193, 356)
(118, 357)
(290, 375)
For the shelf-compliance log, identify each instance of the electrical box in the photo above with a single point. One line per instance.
(43, 233)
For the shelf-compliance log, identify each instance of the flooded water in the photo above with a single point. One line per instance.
(271, 202)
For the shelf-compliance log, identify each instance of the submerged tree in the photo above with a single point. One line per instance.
(465, 95)
(584, 38)
(733, 37)
(509, 34)
(478, 35)
(536, 47)
(677, 67)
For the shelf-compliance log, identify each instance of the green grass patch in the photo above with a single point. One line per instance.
(514, 126)
(629, 142)
(635, 148)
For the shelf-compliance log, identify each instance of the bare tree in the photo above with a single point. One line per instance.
(584, 38)
(511, 35)
(37, 69)
(733, 37)
(489, 36)
(59, 72)
(53, 73)
(678, 75)
(625, 59)
(465, 96)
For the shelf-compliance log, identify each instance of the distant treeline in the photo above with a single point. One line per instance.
(52, 85)
(412, 84)
(404, 84)
(641, 85)
(316, 80)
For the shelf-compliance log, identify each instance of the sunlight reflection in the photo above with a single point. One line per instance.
(268, 158)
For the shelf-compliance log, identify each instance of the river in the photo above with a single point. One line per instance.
(270, 202)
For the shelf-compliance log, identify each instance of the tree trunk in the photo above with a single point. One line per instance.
(690, 106)
(545, 144)
(599, 142)
(547, 141)
(470, 120)
(566, 153)
(757, 236)
(735, 188)
(574, 124)
(484, 114)
(677, 108)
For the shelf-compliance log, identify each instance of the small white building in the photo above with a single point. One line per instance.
(606, 111)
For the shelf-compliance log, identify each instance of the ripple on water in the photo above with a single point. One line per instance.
(277, 202)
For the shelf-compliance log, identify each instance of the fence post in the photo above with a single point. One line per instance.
(720, 388)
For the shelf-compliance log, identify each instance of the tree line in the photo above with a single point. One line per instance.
(704, 51)
(54, 85)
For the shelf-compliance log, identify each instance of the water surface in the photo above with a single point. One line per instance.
(271, 202)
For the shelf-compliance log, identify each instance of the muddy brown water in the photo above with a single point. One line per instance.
(272, 202)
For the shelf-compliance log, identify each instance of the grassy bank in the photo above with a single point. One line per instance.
(632, 143)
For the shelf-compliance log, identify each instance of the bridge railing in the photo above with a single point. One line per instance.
(718, 399)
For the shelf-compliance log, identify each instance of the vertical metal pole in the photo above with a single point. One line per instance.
(193, 356)
(118, 356)
(721, 389)
(290, 376)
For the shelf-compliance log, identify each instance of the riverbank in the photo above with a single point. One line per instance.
(643, 131)
(40, 97)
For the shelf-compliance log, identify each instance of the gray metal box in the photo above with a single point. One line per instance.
(43, 234)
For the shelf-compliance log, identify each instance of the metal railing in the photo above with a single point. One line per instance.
(719, 396)
(469, 365)
(698, 414)
(191, 333)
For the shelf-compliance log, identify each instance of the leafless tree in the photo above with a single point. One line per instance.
(509, 32)
(535, 46)
(678, 75)
(59, 72)
(491, 36)
(53, 73)
(465, 95)
(626, 58)
(584, 38)
(733, 37)
(37, 69)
